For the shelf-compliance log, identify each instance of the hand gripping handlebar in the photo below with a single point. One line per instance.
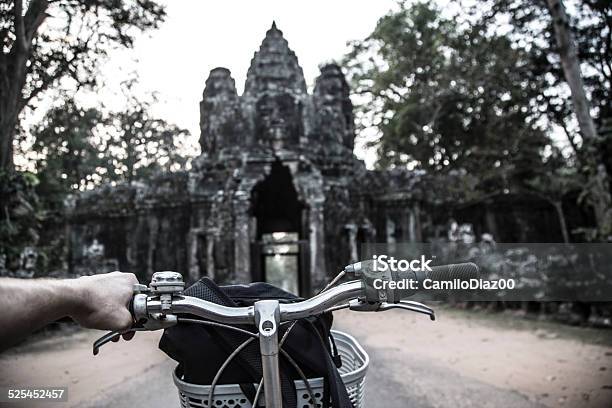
(153, 310)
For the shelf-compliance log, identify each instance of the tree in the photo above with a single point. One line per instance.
(45, 41)
(80, 148)
(67, 147)
(140, 144)
(590, 25)
(599, 184)
(20, 217)
(553, 184)
(576, 51)
(447, 96)
(77, 149)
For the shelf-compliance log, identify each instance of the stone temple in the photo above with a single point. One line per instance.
(277, 194)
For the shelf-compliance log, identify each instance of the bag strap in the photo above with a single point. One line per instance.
(249, 358)
(337, 389)
(335, 356)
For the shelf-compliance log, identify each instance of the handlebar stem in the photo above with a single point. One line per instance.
(267, 319)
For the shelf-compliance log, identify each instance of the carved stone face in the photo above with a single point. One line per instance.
(334, 108)
(333, 89)
(278, 120)
(333, 123)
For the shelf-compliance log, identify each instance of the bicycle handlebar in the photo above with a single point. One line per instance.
(144, 306)
(243, 315)
(204, 309)
(158, 306)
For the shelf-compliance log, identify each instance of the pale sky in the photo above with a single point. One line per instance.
(174, 61)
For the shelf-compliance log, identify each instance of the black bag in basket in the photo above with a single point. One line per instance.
(200, 350)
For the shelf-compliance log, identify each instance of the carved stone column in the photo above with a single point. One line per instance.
(352, 236)
(389, 230)
(193, 254)
(153, 226)
(211, 238)
(418, 229)
(411, 227)
(316, 239)
(242, 243)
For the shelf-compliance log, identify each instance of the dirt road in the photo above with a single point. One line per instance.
(479, 360)
(461, 360)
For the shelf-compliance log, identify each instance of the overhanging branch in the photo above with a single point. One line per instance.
(34, 17)
(20, 37)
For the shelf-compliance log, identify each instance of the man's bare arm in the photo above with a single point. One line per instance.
(97, 302)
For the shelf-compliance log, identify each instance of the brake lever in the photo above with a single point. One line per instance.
(112, 335)
(409, 305)
(157, 323)
(363, 306)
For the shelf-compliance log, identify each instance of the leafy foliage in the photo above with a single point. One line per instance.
(66, 145)
(44, 41)
(41, 43)
(446, 97)
(591, 22)
(140, 144)
(589, 79)
(20, 215)
(77, 149)
(80, 148)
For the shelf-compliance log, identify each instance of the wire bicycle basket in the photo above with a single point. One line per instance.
(355, 363)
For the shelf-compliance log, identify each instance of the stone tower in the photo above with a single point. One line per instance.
(275, 112)
(270, 157)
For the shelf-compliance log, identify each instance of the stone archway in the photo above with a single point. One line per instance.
(279, 252)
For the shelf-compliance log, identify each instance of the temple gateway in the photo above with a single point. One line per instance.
(277, 194)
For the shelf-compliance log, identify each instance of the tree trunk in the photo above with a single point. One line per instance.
(14, 69)
(490, 222)
(562, 223)
(7, 134)
(599, 191)
(10, 100)
(571, 68)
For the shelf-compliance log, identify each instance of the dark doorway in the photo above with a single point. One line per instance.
(278, 255)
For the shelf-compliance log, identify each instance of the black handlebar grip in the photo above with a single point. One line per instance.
(462, 271)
